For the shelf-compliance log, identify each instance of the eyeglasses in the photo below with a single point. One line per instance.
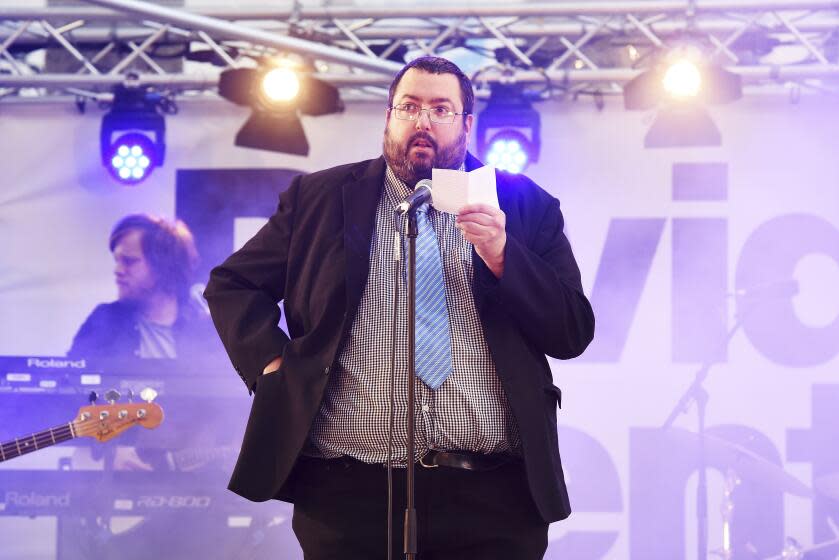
(411, 112)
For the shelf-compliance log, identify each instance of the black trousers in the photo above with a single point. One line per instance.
(340, 512)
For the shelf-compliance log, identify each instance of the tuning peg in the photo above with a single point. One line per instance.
(129, 394)
(148, 394)
(92, 397)
(112, 396)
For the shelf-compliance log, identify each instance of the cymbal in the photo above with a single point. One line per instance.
(828, 485)
(794, 550)
(744, 462)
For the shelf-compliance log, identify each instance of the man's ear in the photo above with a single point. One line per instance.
(467, 127)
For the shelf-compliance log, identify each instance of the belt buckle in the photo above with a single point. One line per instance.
(430, 451)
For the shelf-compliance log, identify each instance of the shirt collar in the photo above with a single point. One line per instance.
(395, 189)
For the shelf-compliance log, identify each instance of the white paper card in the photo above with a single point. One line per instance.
(453, 189)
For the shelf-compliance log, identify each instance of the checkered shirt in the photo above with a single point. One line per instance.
(469, 412)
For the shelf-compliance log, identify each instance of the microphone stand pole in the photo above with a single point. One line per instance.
(410, 527)
(698, 394)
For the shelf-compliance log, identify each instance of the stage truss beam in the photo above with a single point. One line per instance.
(571, 48)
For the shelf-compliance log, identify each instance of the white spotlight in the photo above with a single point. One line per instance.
(280, 85)
(682, 80)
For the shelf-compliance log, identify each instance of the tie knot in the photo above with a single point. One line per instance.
(423, 208)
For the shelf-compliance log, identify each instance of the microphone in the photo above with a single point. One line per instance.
(421, 195)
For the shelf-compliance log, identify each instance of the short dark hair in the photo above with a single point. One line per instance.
(437, 65)
(168, 246)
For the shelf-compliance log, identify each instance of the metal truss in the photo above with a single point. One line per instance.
(557, 49)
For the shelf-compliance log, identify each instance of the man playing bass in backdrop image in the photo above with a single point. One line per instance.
(497, 291)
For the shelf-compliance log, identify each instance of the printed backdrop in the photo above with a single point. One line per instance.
(721, 262)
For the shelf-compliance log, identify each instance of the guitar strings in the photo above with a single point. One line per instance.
(37, 440)
(59, 434)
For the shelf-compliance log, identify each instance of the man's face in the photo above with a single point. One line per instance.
(413, 148)
(134, 277)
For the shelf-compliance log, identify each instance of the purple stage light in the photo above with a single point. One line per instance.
(509, 150)
(508, 129)
(132, 138)
(131, 158)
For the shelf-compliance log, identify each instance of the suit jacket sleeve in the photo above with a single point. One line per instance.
(244, 290)
(541, 288)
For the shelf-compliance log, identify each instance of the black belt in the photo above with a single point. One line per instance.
(462, 460)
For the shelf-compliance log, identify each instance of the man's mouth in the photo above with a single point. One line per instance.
(422, 144)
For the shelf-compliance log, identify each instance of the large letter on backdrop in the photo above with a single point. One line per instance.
(624, 266)
(768, 259)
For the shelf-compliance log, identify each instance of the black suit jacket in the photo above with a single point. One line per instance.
(314, 255)
(110, 332)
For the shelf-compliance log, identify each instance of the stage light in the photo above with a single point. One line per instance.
(130, 157)
(682, 126)
(277, 97)
(132, 135)
(508, 130)
(508, 151)
(279, 85)
(679, 87)
(682, 80)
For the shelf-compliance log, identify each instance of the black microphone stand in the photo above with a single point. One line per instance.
(410, 527)
(698, 394)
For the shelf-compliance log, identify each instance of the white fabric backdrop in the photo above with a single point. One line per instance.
(57, 205)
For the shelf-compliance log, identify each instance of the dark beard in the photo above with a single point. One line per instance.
(446, 157)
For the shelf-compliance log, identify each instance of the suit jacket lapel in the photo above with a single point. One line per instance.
(360, 200)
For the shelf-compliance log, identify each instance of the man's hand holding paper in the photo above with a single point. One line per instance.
(473, 197)
(483, 226)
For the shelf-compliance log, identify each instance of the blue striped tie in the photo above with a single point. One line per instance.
(433, 356)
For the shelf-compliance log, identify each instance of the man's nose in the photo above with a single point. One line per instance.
(424, 120)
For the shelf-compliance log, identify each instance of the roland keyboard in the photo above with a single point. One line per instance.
(60, 375)
(56, 493)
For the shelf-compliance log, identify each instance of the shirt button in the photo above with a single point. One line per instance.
(326, 370)
(425, 408)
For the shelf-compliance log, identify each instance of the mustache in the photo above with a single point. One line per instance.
(422, 136)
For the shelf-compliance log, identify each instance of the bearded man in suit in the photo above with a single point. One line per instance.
(488, 474)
